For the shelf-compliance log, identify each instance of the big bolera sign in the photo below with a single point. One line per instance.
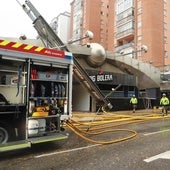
(103, 77)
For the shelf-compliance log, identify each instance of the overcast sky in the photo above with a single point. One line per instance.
(15, 22)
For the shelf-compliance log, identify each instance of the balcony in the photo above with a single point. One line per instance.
(125, 20)
(124, 46)
(125, 16)
(126, 33)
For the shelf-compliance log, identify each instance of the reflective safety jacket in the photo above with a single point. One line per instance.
(164, 101)
(134, 100)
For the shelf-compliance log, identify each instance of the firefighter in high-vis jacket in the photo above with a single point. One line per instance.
(164, 102)
(134, 102)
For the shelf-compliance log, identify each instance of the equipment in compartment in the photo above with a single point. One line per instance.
(61, 90)
(32, 90)
(47, 89)
(43, 90)
(52, 89)
(40, 111)
(36, 127)
(53, 75)
(56, 90)
(47, 100)
(44, 109)
(47, 75)
(31, 106)
(62, 76)
(33, 127)
(9, 80)
(40, 126)
(34, 74)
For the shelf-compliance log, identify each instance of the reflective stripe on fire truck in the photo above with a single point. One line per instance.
(28, 47)
(39, 49)
(4, 42)
(20, 47)
(14, 146)
(16, 45)
(43, 139)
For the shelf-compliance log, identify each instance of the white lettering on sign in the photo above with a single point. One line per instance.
(103, 77)
(93, 78)
(106, 77)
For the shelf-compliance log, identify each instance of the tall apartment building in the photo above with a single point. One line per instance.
(126, 25)
(93, 15)
(61, 26)
(142, 22)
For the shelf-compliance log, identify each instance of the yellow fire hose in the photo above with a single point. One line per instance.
(108, 121)
(78, 132)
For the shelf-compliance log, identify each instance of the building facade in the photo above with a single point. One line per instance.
(137, 24)
(96, 16)
(61, 26)
(124, 26)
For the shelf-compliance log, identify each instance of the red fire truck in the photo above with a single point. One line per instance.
(35, 94)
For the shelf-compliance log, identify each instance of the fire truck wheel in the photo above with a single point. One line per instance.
(3, 135)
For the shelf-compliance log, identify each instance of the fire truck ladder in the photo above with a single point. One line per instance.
(50, 39)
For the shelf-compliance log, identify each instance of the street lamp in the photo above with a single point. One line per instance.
(88, 34)
(143, 48)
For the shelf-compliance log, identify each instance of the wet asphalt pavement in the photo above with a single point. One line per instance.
(149, 150)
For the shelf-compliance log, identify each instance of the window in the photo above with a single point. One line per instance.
(101, 30)
(120, 6)
(102, 3)
(101, 22)
(102, 13)
(139, 11)
(125, 27)
(165, 12)
(165, 39)
(127, 4)
(139, 24)
(123, 5)
(139, 53)
(165, 25)
(165, 54)
(139, 37)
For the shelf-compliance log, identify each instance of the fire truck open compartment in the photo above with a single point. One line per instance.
(35, 97)
(12, 106)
